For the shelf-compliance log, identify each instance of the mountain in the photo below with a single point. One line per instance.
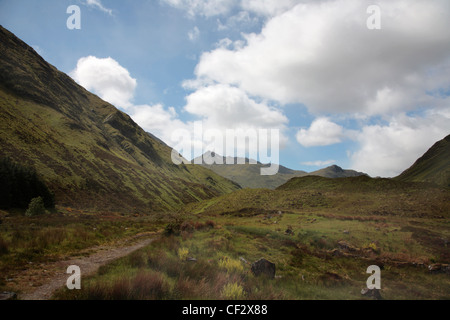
(249, 175)
(433, 166)
(336, 172)
(90, 154)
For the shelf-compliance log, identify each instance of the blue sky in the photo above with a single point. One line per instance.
(339, 92)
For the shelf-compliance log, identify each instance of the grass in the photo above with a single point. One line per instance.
(321, 240)
(27, 241)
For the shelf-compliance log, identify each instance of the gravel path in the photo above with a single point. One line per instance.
(54, 276)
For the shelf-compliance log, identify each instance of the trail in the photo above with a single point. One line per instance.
(52, 276)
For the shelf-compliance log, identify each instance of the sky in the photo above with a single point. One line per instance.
(344, 82)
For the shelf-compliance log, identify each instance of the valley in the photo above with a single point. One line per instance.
(94, 180)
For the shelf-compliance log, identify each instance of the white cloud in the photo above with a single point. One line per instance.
(319, 163)
(269, 8)
(239, 21)
(98, 4)
(322, 132)
(389, 150)
(206, 8)
(194, 34)
(219, 107)
(158, 120)
(229, 107)
(107, 78)
(323, 55)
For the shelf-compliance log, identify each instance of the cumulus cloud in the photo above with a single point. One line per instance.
(387, 150)
(322, 132)
(107, 78)
(323, 55)
(218, 107)
(230, 107)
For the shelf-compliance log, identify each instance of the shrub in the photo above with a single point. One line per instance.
(183, 253)
(172, 229)
(232, 265)
(233, 291)
(36, 207)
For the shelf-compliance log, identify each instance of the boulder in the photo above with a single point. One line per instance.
(263, 267)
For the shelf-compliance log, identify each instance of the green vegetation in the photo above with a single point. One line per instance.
(36, 207)
(321, 242)
(20, 184)
(90, 154)
(433, 166)
(29, 241)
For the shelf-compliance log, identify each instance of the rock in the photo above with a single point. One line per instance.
(263, 267)
(191, 259)
(8, 295)
(372, 293)
(289, 232)
(439, 268)
(243, 260)
(346, 231)
(343, 245)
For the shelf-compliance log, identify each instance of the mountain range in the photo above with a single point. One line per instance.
(93, 156)
(249, 176)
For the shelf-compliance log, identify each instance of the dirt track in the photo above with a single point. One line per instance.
(45, 279)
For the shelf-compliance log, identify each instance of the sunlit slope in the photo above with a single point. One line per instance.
(433, 166)
(89, 153)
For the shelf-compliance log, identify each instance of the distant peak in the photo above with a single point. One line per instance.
(336, 168)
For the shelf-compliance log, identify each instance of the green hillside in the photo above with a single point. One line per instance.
(433, 166)
(90, 154)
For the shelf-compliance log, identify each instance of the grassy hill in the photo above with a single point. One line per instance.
(321, 234)
(433, 166)
(90, 154)
(249, 175)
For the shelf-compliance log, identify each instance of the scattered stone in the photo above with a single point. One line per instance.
(289, 232)
(243, 260)
(263, 267)
(439, 268)
(372, 293)
(336, 253)
(8, 295)
(346, 246)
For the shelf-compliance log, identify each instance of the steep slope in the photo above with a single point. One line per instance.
(433, 166)
(89, 153)
(249, 175)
